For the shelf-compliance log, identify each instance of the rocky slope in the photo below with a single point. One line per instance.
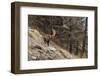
(38, 49)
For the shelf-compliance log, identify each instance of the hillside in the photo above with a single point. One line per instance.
(38, 49)
(68, 32)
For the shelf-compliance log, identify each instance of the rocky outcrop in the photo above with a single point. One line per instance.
(38, 49)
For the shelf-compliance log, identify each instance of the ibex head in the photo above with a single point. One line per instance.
(52, 36)
(53, 32)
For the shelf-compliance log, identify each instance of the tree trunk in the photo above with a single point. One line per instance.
(84, 39)
(70, 39)
(76, 53)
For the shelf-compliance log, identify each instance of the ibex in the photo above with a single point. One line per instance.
(48, 37)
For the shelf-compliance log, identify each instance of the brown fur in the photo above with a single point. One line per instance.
(48, 38)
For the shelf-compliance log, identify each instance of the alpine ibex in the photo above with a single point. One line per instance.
(48, 37)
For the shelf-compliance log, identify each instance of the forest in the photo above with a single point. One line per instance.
(68, 32)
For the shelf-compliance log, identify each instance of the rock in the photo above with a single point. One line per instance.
(39, 50)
